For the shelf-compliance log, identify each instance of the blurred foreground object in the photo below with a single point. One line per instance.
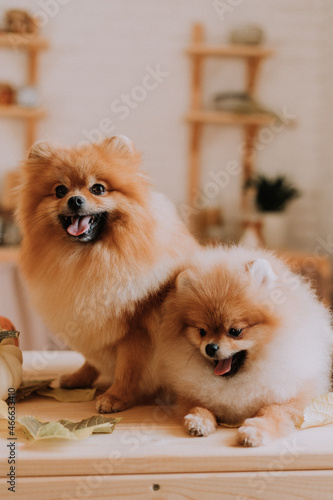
(20, 21)
(10, 359)
(249, 34)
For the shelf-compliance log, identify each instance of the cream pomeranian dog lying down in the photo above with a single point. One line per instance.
(99, 251)
(244, 341)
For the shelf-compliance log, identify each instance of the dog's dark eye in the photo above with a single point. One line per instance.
(233, 332)
(202, 332)
(97, 189)
(61, 191)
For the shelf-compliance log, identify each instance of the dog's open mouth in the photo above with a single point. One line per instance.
(84, 227)
(230, 366)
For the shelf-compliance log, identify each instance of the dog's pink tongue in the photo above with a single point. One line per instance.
(223, 366)
(79, 226)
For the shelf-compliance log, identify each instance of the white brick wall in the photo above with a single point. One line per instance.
(101, 49)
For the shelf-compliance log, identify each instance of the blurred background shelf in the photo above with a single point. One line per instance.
(14, 111)
(200, 49)
(32, 44)
(197, 117)
(17, 41)
(224, 118)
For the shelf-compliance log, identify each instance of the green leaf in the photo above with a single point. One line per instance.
(68, 395)
(30, 386)
(66, 429)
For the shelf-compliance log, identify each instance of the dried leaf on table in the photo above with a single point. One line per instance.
(66, 429)
(68, 395)
(234, 426)
(319, 412)
(30, 386)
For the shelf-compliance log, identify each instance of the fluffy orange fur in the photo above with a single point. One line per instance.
(245, 342)
(101, 296)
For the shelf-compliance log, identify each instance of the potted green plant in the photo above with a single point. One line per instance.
(272, 197)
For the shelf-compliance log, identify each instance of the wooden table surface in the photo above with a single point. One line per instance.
(149, 455)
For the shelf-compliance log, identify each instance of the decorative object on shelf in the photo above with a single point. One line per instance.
(28, 97)
(7, 94)
(9, 233)
(273, 195)
(10, 359)
(250, 34)
(21, 22)
(241, 102)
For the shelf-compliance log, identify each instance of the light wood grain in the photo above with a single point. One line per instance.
(224, 486)
(16, 41)
(242, 51)
(226, 118)
(13, 111)
(150, 439)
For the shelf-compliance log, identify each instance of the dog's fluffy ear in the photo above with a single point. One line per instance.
(261, 273)
(184, 279)
(119, 143)
(41, 150)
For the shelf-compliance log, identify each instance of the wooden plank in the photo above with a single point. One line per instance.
(253, 68)
(30, 134)
(196, 86)
(251, 132)
(16, 41)
(201, 49)
(13, 111)
(224, 118)
(32, 66)
(227, 486)
(194, 162)
(150, 439)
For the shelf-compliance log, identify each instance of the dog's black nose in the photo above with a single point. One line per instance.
(75, 202)
(211, 349)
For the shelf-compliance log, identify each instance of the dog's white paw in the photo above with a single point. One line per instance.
(198, 426)
(253, 433)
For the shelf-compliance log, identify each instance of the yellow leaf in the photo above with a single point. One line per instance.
(68, 395)
(28, 387)
(65, 429)
(319, 412)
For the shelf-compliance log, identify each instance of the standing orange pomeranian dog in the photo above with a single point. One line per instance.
(244, 341)
(99, 250)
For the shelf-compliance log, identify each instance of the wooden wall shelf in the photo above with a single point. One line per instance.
(223, 118)
(198, 117)
(200, 49)
(31, 44)
(20, 112)
(16, 41)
